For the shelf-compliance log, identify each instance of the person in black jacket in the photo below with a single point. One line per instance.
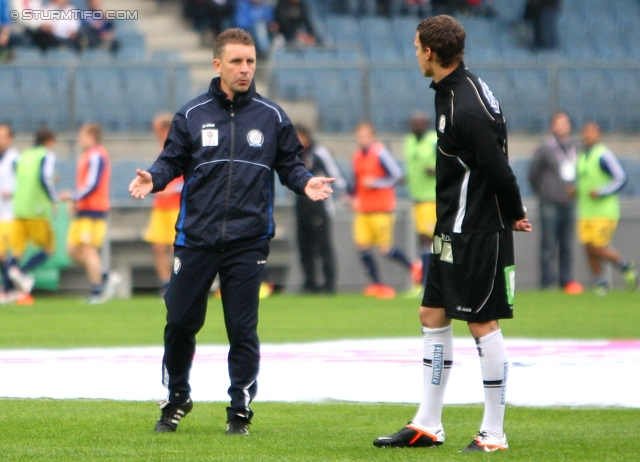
(471, 273)
(313, 219)
(294, 22)
(228, 144)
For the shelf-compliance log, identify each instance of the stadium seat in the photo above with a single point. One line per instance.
(9, 86)
(315, 55)
(45, 94)
(101, 97)
(62, 56)
(97, 56)
(122, 172)
(293, 83)
(344, 30)
(182, 87)
(510, 11)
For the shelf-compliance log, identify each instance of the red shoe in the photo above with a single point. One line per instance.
(573, 288)
(24, 299)
(385, 292)
(372, 290)
(416, 272)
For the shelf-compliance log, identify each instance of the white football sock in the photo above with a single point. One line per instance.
(495, 368)
(438, 358)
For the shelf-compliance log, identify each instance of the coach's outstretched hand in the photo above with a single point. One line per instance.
(141, 185)
(317, 189)
(522, 225)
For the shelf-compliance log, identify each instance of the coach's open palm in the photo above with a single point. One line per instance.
(141, 184)
(317, 189)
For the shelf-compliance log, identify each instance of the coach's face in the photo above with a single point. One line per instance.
(236, 67)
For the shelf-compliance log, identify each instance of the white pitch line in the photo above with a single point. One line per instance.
(542, 372)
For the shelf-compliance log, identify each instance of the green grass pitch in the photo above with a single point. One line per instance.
(84, 430)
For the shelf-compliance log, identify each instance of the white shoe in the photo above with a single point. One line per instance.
(113, 281)
(483, 442)
(8, 297)
(22, 281)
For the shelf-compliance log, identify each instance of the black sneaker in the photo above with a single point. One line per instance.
(237, 425)
(171, 415)
(412, 437)
(483, 442)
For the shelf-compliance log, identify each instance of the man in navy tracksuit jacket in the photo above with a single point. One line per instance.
(228, 144)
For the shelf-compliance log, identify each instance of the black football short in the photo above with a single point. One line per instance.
(472, 276)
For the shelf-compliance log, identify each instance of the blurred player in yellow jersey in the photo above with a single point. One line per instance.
(91, 206)
(8, 158)
(33, 200)
(166, 206)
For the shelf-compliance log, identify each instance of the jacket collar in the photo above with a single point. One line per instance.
(452, 80)
(240, 99)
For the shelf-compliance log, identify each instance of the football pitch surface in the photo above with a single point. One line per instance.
(80, 429)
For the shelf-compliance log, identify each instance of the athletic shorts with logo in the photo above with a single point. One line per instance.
(472, 276)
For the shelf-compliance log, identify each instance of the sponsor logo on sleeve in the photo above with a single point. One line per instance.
(493, 102)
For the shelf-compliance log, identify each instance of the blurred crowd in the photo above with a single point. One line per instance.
(48, 25)
(292, 21)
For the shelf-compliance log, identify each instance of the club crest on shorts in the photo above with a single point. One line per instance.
(177, 264)
(255, 138)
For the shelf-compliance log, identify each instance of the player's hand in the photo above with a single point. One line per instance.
(317, 189)
(594, 194)
(141, 185)
(522, 225)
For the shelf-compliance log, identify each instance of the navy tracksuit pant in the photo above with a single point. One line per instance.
(241, 272)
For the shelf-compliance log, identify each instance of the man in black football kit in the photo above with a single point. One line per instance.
(228, 143)
(471, 274)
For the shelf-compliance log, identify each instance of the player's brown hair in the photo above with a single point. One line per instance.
(445, 36)
(44, 135)
(95, 130)
(234, 35)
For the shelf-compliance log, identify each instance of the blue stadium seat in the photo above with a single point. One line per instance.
(293, 83)
(62, 56)
(182, 91)
(147, 92)
(28, 55)
(9, 85)
(344, 30)
(97, 56)
(132, 45)
(337, 93)
(319, 55)
(349, 54)
(45, 94)
(509, 10)
(166, 56)
(101, 97)
(122, 172)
